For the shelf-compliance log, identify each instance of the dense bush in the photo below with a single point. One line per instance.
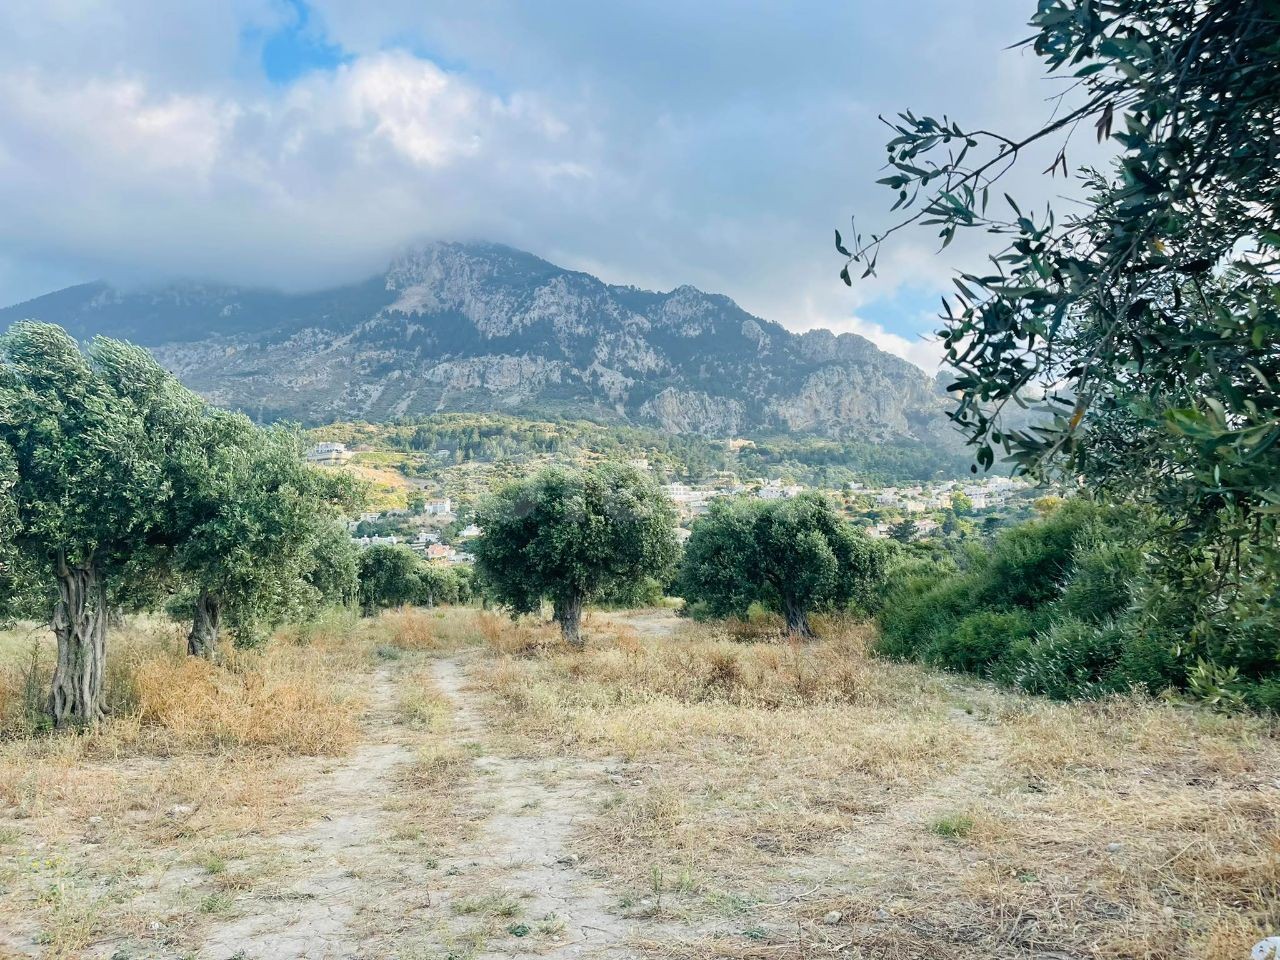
(1069, 607)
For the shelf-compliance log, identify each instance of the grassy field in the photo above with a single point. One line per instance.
(449, 784)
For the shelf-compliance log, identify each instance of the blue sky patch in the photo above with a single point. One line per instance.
(299, 48)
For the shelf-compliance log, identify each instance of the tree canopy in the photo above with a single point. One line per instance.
(249, 518)
(572, 537)
(1142, 328)
(1144, 325)
(84, 454)
(121, 485)
(795, 557)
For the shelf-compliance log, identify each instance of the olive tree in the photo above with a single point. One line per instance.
(794, 557)
(1142, 320)
(390, 576)
(83, 458)
(572, 536)
(251, 517)
(1144, 324)
(335, 573)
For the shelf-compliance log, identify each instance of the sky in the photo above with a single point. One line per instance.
(300, 143)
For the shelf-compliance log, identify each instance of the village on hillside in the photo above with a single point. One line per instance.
(433, 514)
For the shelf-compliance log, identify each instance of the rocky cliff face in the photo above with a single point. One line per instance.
(453, 326)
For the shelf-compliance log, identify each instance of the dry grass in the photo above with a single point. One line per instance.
(762, 786)
(297, 699)
(436, 630)
(196, 763)
(752, 789)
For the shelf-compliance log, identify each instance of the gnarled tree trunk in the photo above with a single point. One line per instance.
(568, 613)
(80, 626)
(202, 641)
(797, 621)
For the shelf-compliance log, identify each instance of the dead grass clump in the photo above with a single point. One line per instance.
(331, 626)
(704, 667)
(518, 638)
(250, 702)
(432, 630)
(411, 628)
(421, 705)
(437, 764)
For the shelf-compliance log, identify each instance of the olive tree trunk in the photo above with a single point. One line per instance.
(568, 613)
(797, 621)
(80, 626)
(202, 641)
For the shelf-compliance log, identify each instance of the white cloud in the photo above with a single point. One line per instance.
(332, 173)
(654, 144)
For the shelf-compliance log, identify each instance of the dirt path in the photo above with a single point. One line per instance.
(313, 913)
(525, 847)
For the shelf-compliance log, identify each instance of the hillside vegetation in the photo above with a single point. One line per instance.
(431, 446)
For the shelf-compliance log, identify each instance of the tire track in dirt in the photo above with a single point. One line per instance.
(314, 915)
(525, 842)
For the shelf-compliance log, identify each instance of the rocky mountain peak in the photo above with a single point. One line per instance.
(481, 326)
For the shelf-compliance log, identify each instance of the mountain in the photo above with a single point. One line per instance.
(478, 326)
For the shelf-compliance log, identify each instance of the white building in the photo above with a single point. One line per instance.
(328, 454)
(469, 532)
(438, 508)
(774, 490)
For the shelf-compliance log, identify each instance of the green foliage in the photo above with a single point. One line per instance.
(444, 440)
(251, 520)
(120, 486)
(980, 642)
(979, 612)
(794, 556)
(335, 572)
(82, 464)
(1144, 329)
(393, 575)
(953, 826)
(439, 584)
(1147, 326)
(1071, 660)
(1069, 606)
(389, 577)
(1102, 580)
(572, 537)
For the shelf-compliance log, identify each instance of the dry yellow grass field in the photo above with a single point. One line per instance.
(447, 783)
(762, 789)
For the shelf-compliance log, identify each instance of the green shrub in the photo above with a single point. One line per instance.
(1146, 661)
(1068, 606)
(1100, 586)
(921, 611)
(1264, 695)
(980, 642)
(1070, 660)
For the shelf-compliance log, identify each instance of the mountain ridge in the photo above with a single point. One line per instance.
(479, 325)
